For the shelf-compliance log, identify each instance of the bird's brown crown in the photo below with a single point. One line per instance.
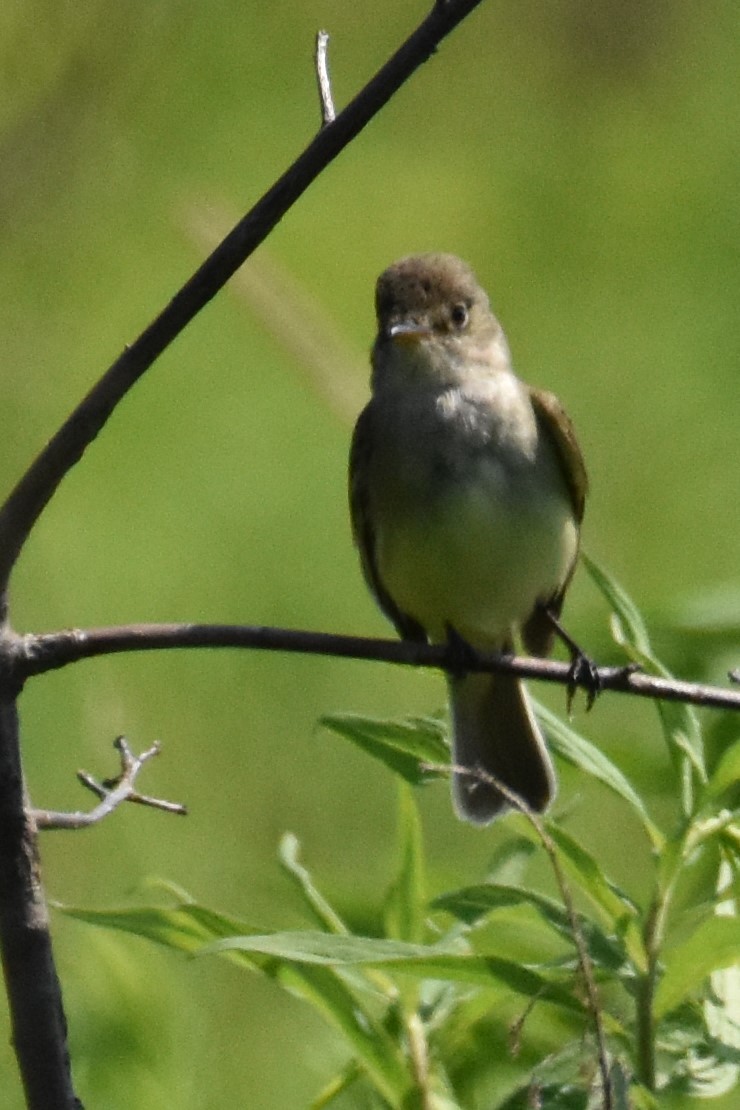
(423, 281)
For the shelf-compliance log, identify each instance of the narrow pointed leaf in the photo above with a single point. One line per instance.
(406, 902)
(426, 961)
(580, 863)
(680, 722)
(619, 911)
(473, 903)
(585, 755)
(188, 928)
(713, 945)
(726, 774)
(405, 746)
(324, 913)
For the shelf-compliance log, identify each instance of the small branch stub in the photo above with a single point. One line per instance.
(112, 792)
(328, 114)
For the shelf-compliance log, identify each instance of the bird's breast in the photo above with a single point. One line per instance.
(473, 523)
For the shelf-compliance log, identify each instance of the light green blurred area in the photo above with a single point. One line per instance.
(585, 159)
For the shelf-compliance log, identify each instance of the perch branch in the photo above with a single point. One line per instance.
(112, 792)
(328, 115)
(38, 485)
(36, 654)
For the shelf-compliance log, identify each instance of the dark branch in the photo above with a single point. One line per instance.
(112, 792)
(328, 115)
(39, 1031)
(38, 485)
(36, 654)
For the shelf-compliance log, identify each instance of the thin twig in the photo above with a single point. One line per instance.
(112, 792)
(584, 956)
(419, 1057)
(36, 654)
(328, 115)
(37, 486)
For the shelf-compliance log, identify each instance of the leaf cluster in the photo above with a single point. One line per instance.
(442, 1003)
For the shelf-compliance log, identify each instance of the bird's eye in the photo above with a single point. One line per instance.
(459, 315)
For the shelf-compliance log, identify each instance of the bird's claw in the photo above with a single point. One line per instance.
(583, 672)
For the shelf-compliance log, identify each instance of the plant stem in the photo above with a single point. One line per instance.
(645, 998)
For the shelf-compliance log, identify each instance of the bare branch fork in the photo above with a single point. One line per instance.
(112, 793)
(34, 995)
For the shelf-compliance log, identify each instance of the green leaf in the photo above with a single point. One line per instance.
(315, 901)
(510, 860)
(473, 903)
(620, 911)
(726, 774)
(630, 631)
(581, 864)
(713, 945)
(585, 755)
(426, 961)
(404, 912)
(405, 746)
(187, 928)
(375, 1049)
(680, 722)
(336, 1087)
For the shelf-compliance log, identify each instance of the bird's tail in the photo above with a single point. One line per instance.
(494, 731)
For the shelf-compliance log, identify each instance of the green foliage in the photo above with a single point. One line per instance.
(668, 1000)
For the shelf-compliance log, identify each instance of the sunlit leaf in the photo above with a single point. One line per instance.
(619, 910)
(404, 912)
(726, 774)
(324, 913)
(713, 945)
(404, 746)
(473, 903)
(679, 721)
(427, 961)
(585, 755)
(510, 860)
(185, 928)
(188, 928)
(631, 631)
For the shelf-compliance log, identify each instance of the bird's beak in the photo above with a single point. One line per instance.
(408, 332)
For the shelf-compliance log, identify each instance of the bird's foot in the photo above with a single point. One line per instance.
(584, 673)
(583, 670)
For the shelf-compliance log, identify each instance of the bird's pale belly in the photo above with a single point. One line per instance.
(478, 556)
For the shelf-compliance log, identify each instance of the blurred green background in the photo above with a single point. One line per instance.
(585, 159)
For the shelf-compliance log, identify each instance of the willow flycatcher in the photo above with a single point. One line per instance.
(467, 490)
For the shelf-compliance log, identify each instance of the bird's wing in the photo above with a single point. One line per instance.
(362, 525)
(555, 424)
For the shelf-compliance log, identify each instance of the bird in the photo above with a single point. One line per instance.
(467, 490)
